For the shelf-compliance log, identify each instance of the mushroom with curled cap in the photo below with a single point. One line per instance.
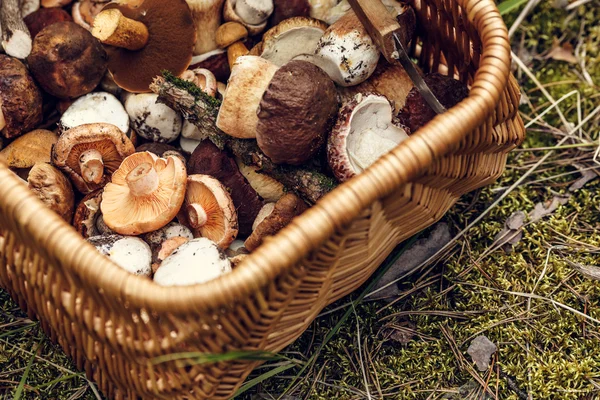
(53, 189)
(209, 210)
(144, 39)
(87, 214)
(365, 131)
(273, 218)
(90, 153)
(145, 194)
(197, 261)
(20, 99)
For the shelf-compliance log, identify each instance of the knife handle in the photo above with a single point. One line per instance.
(379, 23)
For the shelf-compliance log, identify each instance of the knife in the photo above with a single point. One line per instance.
(385, 32)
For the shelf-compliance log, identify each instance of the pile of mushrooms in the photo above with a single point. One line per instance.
(177, 136)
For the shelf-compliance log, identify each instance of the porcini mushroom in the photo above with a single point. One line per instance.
(253, 14)
(87, 213)
(53, 189)
(207, 18)
(29, 149)
(207, 159)
(229, 33)
(209, 210)
(146, 39)
(130, 253)
(20, 99)
(250, 77)
(90, 153)
(296, 113)
(346, 52)
(66, 60)
(44, 17)
(285, 9)
(363, 133)
(145, 194)
(294, 36)
(319, 9)
(197, 261)
(416, 112)
(16, 39)
(215, 61)
(266, 187)
(274, 218)
(95, 107)
(151, 120)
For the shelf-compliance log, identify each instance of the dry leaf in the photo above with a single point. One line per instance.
(589, 271)
(562, 52)
(481, 350)
(587, 175)
(542, 210)
(412, 258)
(511, 234)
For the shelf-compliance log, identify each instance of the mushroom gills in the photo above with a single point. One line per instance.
(372, 134)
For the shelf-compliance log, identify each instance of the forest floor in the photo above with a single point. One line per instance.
(520, 266)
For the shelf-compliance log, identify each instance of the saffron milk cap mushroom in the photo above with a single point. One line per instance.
(130, 253)
(146, 38)
(93, 108)
(90, 153)
(145, 194)
(363, 133)
(250, 77)
(296, 113)
(294, 36)
(346, 52)
(197, 261)
(209, 210)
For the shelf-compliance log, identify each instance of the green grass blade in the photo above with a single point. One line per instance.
(509, 5)
(21, 329)
(21, 387)
(197, 358)
(61, 379)
(261, 378)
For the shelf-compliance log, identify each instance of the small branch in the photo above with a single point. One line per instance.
(202, 110)
(16, 39)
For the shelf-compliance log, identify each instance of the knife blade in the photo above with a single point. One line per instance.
(385, 32)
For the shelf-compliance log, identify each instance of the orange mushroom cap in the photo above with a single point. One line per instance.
(171, 40)
(145, 194)
(209, 210)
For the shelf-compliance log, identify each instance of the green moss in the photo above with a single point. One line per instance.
(192, 89)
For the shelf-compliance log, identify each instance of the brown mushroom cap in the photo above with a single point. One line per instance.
(44, 17)
(66, 60)
(170, 46)
(90, 153)
(29, 149)
(86, 213)
(20, 98)
(209, 210)
(53, 189)
(288, 207)
(296, 112)
(145, 194)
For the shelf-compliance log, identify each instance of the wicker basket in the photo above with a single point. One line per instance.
(112, 323)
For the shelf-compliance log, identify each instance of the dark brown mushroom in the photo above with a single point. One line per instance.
(44, 17)
(20, 99)
(66, 60)
(146, 39)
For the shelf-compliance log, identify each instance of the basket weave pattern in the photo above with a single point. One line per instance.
(113, 324)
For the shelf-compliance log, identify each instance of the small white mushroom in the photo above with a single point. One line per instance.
(130, 253)
(188, 145)
(170, 231)
(152, 120)
(346, 52)
(364, 132)
(194, 262)
(95, 107)
(253, 14)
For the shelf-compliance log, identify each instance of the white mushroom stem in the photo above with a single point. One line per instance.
(196, 215)
(92, 166)
(142, 180)
(16, 39)
(207, 19)
(113, 28)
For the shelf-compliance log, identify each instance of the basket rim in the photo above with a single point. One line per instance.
(59, 241)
